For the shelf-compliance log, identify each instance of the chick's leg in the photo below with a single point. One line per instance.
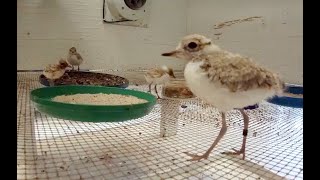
(150, 88)
(244, 140)
(216, 141)
(78, 68)
(51, 82)
(155, 88)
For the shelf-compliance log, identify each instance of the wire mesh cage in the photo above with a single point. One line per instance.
(152, 147)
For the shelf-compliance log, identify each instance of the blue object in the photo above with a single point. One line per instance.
(294, 102)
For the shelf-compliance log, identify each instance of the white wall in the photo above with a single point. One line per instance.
(274, 41)
(48, 28)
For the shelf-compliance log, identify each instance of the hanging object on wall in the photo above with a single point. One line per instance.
(126, 12)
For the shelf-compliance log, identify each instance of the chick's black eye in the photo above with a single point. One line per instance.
(192, 45)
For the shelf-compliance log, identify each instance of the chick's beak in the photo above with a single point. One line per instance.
(172, 53)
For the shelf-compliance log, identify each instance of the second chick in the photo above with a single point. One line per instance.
(158, 76)
(55, 71)
(74, 58)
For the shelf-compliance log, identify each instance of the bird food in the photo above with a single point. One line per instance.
(99, 99)
(89, 78)
(177, 89)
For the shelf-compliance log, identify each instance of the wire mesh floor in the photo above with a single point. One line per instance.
(152, 147)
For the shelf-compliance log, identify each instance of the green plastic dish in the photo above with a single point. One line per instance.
(42, 98)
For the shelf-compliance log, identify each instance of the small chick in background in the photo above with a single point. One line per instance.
(158, 76)
(55, 71)
(225, 80)
(74, 58)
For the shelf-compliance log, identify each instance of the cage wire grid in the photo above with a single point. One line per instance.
(152, 147)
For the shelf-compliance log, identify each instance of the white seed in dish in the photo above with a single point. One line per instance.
(99, 99)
